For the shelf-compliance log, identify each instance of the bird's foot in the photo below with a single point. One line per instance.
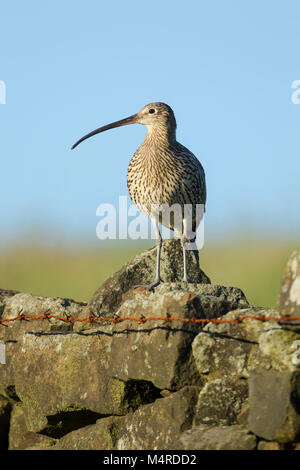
(150, 287)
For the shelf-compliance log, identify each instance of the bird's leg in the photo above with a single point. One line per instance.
(158, 279)
(183, 242)
(196, 253)
(188, 237)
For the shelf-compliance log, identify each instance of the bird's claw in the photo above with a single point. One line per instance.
(150, 287)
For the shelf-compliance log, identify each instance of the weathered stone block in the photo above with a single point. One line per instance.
(62, 373)
(206, 437)
(98, 436)
(19, 436)
(161, 351)
(156, 425)
(13, 304)
(274, 405)
(268, 445)
(234, 349)
(5, 295)
(222, 350)
(155, 351)
(220, 401)
(289, 299)
(141, 270)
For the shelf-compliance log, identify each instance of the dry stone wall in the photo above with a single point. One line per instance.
(151, 384)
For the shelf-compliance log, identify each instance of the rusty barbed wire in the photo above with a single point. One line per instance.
(67, 318)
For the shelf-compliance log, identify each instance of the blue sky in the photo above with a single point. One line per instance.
(226, 68)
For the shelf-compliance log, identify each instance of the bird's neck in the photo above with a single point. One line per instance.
(161, 136)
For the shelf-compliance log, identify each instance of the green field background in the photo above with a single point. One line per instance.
(255, 266)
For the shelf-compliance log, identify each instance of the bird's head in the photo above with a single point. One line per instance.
(153, 115)
(156, 114)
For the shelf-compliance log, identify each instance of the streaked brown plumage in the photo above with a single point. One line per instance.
(162, 171)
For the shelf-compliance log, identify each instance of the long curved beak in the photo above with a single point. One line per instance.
(123, 122)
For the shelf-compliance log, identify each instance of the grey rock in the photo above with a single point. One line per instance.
(274, 399)
(98, 436)
(68, 375)
(234, 349)
(19, 436)
(222, 350)
(289, 299)
(278, 345)
(206, 437)
(5, 295)
(141, 270)
(158, 351)
(33, 305)
(220, 402)
(156, 425)
(268, 445)
(13, 332)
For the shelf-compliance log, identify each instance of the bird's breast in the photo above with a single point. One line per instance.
(153, 186)
(161, 176)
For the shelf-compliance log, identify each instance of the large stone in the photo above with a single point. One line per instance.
(13, 304)
(274, 405)
(61, 378)
(220, 402)
(98, 436)
(160, 351)
(5, 295)
(222, 350)
(151, 426)
(289, 299)
(280, 346)
(206, 437)
(234, 349)
(19, 436)
(156, 425)
(141, 270)
(268, 445)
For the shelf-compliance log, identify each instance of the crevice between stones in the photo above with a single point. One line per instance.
(69, 420)
(139, 392)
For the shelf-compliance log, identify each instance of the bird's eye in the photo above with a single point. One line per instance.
(151, 111)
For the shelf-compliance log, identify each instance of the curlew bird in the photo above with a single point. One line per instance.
(164, 174)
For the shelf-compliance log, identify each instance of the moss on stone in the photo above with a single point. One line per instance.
(277, 344)
(114, 433)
